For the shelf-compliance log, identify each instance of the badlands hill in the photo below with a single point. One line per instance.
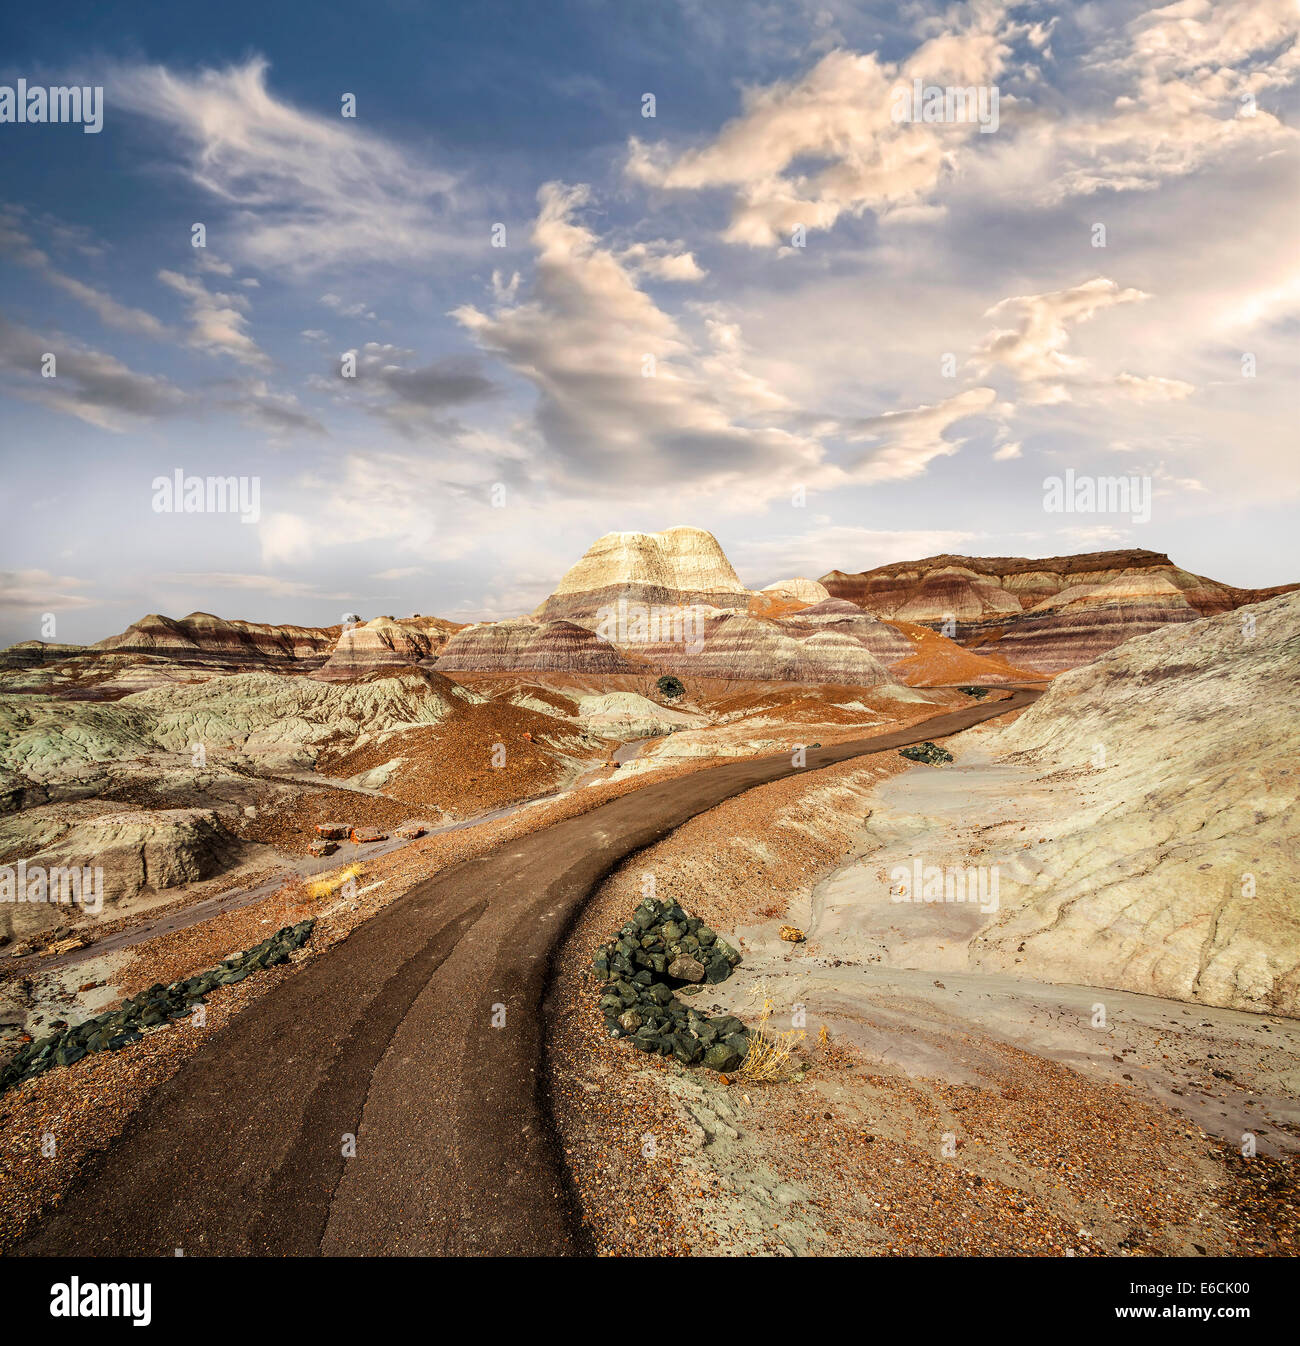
(203, 637)
(1174, 873)
(1049, 613)
(677, 566)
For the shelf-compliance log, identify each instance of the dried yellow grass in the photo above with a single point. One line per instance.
(329, 884)
(768, 1059)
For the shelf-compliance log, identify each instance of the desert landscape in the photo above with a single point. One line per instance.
(639, 632)
(840, 1043)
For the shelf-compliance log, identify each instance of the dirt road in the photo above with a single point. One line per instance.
(388, 1098)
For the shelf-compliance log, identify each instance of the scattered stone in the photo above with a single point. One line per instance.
(363, 835)
(322, 847)
(150, 1009)
(409, 831)
(929, 753)
(333, 831)
(661, 949)
(793, 934)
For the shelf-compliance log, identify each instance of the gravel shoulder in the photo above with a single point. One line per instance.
(938, 1113)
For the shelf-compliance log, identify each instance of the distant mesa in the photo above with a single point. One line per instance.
(677, 566)
(1043, 614)
(386, 643)
(205, 638)
(539, 646)
(670, 602)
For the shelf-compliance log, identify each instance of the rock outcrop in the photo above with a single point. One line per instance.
(385, 642)
(1178, 876)
(675, 567)
(842, 618)
(203, 638)
(732, 645)
(264, 715)
(36, 653)
(546, 646)
(1048, 613)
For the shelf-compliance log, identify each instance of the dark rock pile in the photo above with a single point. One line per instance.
(118, 1028)
(926, 752)
(660, 950)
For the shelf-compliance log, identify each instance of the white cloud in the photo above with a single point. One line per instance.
(218, 322)
(287, 539)
(629, 395)
(40, 591)
(1034, 350)
(310, 190)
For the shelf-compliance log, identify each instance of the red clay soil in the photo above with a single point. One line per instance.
(940, 662)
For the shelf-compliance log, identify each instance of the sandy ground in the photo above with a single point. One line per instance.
(51, 1124)
(938, 1112)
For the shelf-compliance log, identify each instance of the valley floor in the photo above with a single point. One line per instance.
(927, 1110)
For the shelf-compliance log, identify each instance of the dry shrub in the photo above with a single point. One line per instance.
(330, 884)
(769, 1058)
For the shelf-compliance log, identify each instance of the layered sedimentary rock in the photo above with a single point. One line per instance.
(385, 642)
(1078, 624)
(203, 638)
(1045, 614)
(677, 566)
(839, 617)
(545, 646)
(35, 653)
(1178, 874)
(732, 645)
(804, 590)
(95, 856)
(262, 715)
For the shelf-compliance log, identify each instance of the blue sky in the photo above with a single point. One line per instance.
(894, 378)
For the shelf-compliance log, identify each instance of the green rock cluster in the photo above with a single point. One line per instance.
(929, 753)
(659, 950)
(979, 693)
(120, 1027)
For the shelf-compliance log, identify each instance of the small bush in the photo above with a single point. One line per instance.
(979, 693)
(670, 688)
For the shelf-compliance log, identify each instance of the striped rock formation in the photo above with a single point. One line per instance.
(839, 617)
(733, 645)
(677, 566)
(35, 653)
(545, 647)
(386, 642)
(203, 638)
(1046, 614)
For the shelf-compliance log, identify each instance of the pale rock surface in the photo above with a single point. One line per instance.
(628, 715)
(677, 566)
(137, 851)
(1141, 817)
(800, 589)
(263, 714)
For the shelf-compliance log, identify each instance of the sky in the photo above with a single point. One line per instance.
(597, 265)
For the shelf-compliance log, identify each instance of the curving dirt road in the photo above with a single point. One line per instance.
(388, 1037)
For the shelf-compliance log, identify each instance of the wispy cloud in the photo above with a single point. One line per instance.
(309, 191)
